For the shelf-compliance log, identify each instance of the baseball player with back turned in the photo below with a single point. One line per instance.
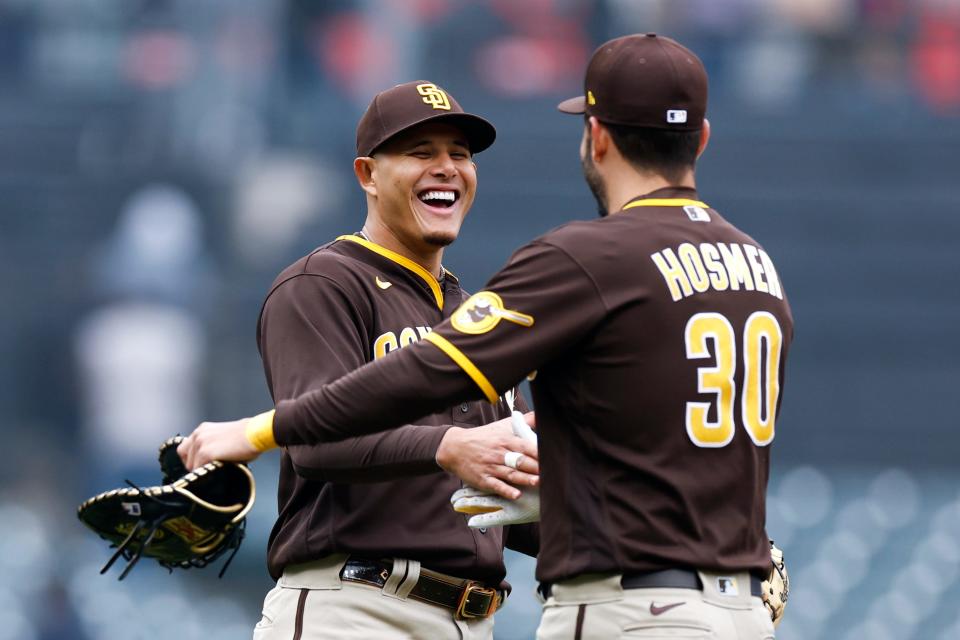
(660, 335)
(365, 544)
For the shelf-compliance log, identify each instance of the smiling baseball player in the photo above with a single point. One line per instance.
(365, 544)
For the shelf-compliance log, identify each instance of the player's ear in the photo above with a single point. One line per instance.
(599, 139)
(704, 137)
(365, 168)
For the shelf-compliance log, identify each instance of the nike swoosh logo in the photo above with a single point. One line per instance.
(383, 284)
(655, 610)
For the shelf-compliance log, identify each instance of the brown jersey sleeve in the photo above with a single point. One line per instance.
(539, 304)
(535, 305)
(312, 333)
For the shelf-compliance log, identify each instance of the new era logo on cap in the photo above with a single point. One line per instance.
(677, 116)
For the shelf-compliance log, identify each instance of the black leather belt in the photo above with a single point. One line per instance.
(665, 579)
(467, 598)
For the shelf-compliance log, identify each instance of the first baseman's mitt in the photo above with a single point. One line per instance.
(776, 588)
(189, 521)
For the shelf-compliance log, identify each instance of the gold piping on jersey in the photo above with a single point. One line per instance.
(425, 275)
(464, 362)
(666, 202)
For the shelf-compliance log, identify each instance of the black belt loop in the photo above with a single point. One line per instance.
(665, 579)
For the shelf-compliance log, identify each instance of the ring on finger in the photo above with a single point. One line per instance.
(512, 459)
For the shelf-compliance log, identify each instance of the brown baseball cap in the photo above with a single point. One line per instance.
(414, 103)
(644, 80)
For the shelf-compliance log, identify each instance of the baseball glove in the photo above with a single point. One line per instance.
(189, 521)
(776, 588)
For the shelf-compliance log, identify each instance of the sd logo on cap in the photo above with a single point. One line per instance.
(413, 103)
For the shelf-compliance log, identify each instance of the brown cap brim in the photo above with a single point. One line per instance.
(574, 105)
(480, 133)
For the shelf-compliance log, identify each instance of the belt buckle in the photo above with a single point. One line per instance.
(476, 588)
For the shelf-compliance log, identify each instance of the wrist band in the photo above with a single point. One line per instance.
(260, 431)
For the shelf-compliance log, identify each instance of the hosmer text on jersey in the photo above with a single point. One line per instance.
(719, 266)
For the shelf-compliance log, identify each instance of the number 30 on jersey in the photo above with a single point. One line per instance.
(761, 344)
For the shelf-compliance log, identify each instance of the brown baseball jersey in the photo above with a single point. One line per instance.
(659, 338)
(383, 495)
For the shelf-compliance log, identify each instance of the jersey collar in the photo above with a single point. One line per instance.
(404, 262)
(667, 197)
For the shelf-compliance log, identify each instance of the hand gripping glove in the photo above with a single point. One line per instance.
(776, 588)
(492, 510)
(171, 465)
(189, 521)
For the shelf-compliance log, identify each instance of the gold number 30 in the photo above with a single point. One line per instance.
(762, 340)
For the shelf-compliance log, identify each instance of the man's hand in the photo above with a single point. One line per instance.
(477, 456)
(217, 441)
(494, 511)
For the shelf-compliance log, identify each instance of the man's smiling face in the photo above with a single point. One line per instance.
(425, 184)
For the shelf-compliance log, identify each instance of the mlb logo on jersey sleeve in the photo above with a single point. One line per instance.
(697, 214)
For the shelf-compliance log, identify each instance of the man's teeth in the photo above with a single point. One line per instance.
(447, 196)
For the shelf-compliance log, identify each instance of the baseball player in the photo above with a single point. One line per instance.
(366, 545)
(659, 333)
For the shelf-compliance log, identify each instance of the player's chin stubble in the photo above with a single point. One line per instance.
(439, 239)
(594, 181)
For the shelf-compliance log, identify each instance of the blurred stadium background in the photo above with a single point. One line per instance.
(161, 160)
